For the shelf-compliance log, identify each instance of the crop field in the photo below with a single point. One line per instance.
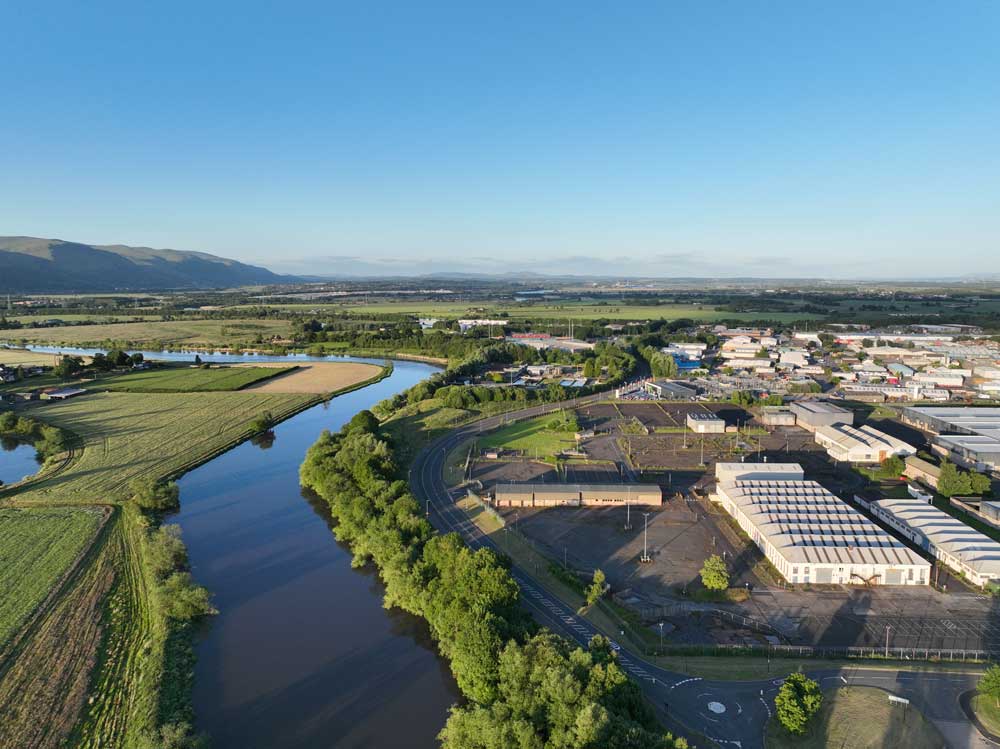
(319, 378)
(172, 333)
(15, 356)
(127, 435)
(88, 671)
(37, 547)
(616, 310)
(191, 379)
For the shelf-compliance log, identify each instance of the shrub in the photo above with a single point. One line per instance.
(714, 574)
(798, 700)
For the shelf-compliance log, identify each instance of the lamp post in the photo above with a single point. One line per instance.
(645, 535)
(887, 628)
(661, 638)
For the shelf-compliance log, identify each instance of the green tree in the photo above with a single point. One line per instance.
(989, 683)
(953, 482)
(979, 483)
(893, 466)
(596, 589)
(150, 494)
(68, 366)
(262, 423)
(798, 700)
(714, 574)
(184, 600)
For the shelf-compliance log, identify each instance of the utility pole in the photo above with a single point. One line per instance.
(645, 536)
(887, 628)
(661, 638)
(628, 515)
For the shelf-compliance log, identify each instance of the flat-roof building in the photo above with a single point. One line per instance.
(812, 414)
(705, 423)
(777, 416)
(576, 495)
(810, 535)
(864, 444)
(962, 548)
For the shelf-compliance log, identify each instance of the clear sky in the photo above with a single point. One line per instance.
(837, 139)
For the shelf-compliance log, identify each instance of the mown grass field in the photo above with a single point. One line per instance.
(860, 718)
(13, 357)
(613, 310)
(127, 435)
(171, 333)
(191, 379)
(533, 437)
(37, 547)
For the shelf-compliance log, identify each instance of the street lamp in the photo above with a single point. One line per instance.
(661, 638)
(645, 548)
(887, 628)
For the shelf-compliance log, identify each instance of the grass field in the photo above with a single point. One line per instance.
(860, 718)
(77, 318)
(616, 310)
(191, 379)
(37, 547)
(532, 437)
(172, 333)
(988, 713)
(127, 435)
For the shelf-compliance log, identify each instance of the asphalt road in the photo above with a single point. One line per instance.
(730, 713)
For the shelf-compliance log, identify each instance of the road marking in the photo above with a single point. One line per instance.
(682, 682)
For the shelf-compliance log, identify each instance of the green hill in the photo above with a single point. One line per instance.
(32, 265)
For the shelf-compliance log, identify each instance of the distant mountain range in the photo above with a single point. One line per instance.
(33, 265)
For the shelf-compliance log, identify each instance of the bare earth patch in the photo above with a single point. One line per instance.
(320, 377)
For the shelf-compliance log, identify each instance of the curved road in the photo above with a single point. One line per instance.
(730, 713)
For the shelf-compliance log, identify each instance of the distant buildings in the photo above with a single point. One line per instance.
(810, 535)
(670, 390)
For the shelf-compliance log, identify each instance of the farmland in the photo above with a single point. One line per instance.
(176, 333)
(127, 435)
(319, 378)
(13, 357)
(612, 310)
(192, 379)
(37, 547)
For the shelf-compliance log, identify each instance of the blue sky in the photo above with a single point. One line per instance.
(670, 138)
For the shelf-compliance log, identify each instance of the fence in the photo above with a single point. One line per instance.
(807, 651)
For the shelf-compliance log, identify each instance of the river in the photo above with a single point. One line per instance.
(302, 653)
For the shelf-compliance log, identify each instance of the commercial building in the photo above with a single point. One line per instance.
(864, 444)
(965, 550)
(670, 390)
(777, 416)
(966, 435)
(812, 414)
(705, 423)
(810, 535)
(576, 495)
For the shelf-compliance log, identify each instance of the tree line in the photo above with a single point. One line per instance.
(525, 689)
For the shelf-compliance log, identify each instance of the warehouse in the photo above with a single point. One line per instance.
(705, 423)
(968, 436)
(810, 535)
(576, 495)
(965, 550)
(812, 414)
(777, 416)
(921, 470)
(864, 444)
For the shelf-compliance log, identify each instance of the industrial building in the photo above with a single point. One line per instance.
(812, 414)
(705, 423)
(921, 470)
(810, 535)
(966, 435)
(777, 416)
(864, 444)
(965, 550)
(576, 495)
